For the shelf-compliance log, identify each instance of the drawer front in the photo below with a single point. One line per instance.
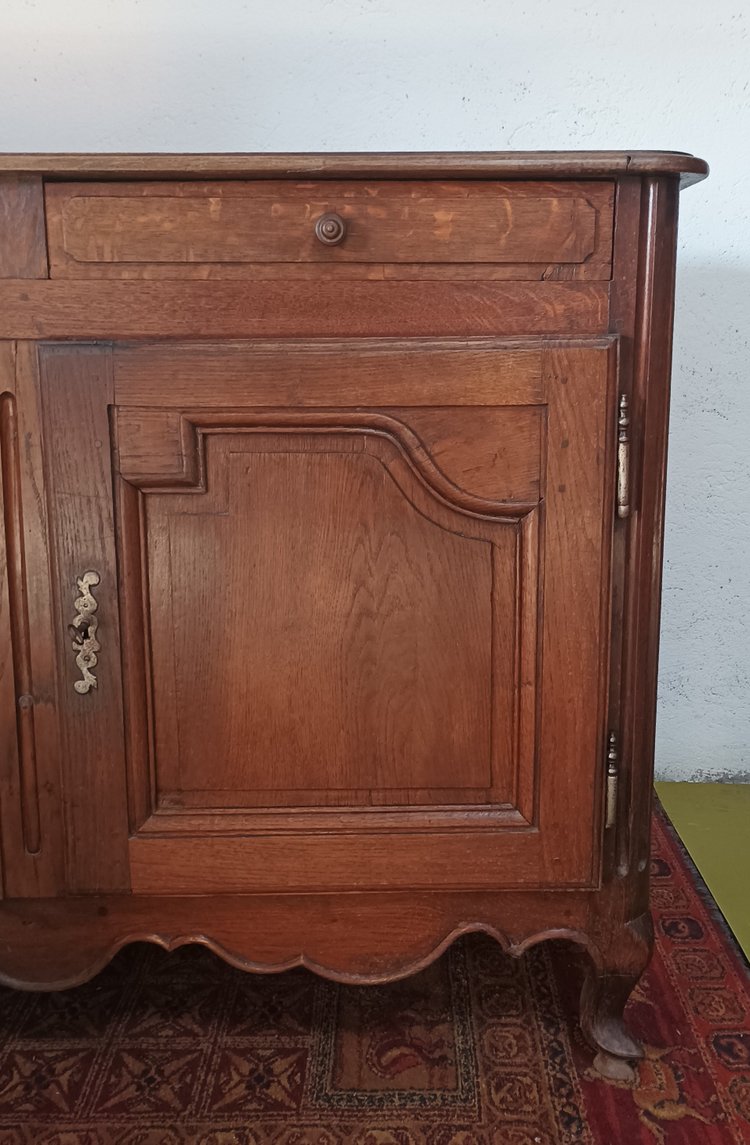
(161, 229)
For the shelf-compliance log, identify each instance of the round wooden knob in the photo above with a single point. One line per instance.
(330, 229)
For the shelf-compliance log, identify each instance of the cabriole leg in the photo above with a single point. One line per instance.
(605, 993)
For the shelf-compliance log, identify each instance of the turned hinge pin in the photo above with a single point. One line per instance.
(623, 457)
(613, 766)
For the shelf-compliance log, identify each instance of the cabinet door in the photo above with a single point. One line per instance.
(363, 599)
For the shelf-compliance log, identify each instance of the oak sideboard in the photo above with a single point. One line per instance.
(333, 493)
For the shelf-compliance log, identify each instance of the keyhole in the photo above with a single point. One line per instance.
(80, 633)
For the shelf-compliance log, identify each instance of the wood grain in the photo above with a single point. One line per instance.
(23, 244)
(353, 655)
(76, 389)
(332, 271)
(527, 647)
(20, 629)
(151, 454)
(361, 165)
(329, 372)
(184, 512)
(576, 586)
(492, 452)
(273, 221)
(113, 310)
(356, 938)
(344, 861)
(486, 461)
(30, 803)
(624, 304)
(650, 410)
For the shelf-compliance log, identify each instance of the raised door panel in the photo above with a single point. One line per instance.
(320, 619)
(365, 674)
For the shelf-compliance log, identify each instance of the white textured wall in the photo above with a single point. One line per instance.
(179, 75)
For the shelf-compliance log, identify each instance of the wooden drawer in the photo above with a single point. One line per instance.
(391, 229)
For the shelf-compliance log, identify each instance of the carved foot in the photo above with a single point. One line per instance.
(603, 1001)
(605, 994)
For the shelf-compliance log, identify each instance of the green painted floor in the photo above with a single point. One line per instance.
(713, 821)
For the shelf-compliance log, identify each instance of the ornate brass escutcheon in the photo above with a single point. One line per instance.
(83, 630)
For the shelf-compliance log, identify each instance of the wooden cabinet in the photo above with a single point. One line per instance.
(332, 495)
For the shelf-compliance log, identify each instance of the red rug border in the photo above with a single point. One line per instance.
(702, 888)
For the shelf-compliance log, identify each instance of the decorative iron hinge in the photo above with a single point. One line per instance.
(623, 457)
(613, 767)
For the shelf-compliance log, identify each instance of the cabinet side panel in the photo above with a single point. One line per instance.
(624, 301)
(76, 392)
(29, 767)
(650, 415)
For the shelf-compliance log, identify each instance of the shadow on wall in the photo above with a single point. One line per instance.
(703, 730)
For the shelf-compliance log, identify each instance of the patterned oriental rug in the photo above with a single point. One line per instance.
(477, 1050)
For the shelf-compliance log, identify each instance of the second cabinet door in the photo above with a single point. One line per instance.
(363, 599)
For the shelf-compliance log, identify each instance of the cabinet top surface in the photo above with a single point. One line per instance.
(410, 165)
